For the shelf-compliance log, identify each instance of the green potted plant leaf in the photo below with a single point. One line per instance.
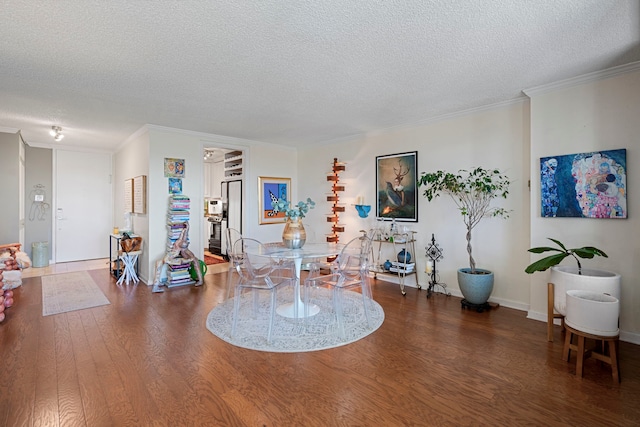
(473, 192)
(586, 252)
(566, 278)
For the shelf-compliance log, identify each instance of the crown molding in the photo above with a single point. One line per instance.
(8, 130)
(585, 78)
(424, 122)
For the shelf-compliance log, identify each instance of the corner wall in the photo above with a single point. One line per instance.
(130, 161)
(10, 194)
(595, 116)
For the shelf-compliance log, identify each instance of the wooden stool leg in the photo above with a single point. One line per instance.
(580, 359)
(566, 352)
(613, 354)
(550, 290)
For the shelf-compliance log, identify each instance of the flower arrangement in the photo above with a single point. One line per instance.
(297, 211)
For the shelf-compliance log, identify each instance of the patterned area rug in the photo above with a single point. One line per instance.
(317, 332)
(70, 291)
(210, 260)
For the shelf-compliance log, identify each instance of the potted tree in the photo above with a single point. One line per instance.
(566, 278)
(473, 192)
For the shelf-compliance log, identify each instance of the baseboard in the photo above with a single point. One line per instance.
(509, 304)
(630, 337)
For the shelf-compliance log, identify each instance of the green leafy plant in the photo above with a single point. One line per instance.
(297, 211)
(586, 252)
(472, 191)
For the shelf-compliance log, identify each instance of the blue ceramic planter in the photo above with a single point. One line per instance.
(476, 288)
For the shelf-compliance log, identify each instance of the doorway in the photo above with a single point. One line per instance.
(223, 197)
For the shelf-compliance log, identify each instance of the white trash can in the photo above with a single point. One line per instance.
(40, 254)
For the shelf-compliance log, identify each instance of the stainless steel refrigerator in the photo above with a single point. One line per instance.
(231, 193)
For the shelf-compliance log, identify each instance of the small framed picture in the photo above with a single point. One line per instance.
(396, 195)
(175, 186)
(173, 168)
(269, 191)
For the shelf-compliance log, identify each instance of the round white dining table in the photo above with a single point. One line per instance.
(310, 251)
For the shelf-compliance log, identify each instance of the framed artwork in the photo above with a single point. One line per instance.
(140, 194)
(396, 195)
(128, 195)
(584, 185)
(173, 168)
(175, 186)
(269, 191)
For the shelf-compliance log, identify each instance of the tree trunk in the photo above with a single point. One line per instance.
(472, 262)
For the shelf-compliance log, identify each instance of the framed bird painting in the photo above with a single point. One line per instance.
(396, 187)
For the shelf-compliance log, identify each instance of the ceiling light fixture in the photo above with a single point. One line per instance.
(208, 154)
(56, 133)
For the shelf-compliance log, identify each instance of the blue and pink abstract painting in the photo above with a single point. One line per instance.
(586, 185)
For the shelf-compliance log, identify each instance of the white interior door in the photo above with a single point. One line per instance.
(83, 214)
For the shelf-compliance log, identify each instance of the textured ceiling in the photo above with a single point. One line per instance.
(288, 71)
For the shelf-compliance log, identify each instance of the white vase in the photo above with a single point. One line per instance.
(566, 278)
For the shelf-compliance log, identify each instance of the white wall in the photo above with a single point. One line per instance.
(596, 116)
(169, 143)
(38, 171)
(130, 161)
(270, 161)
(10, 195)
(493, 138)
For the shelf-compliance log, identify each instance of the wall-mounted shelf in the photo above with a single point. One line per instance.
(334, 198)
(233, 165)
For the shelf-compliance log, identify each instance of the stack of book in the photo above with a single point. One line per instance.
(178, 273)
(402, 268)
(177, 217)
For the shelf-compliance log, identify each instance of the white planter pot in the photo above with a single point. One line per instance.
(566, 278)
(593, 313)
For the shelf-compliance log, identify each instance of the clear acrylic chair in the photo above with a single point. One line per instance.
(258, 273)
(284, 267)
(349, 270)
(231, 237)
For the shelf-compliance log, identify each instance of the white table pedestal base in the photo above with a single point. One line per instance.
(288, 310)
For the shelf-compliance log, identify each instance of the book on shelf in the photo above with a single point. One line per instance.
(400, 270)
(178, 271)
(180, 283)
(178, 261)
(400, 267)
(407, 265)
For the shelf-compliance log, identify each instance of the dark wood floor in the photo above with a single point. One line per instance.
(147, 359)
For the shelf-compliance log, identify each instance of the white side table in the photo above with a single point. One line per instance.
(129, 261)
